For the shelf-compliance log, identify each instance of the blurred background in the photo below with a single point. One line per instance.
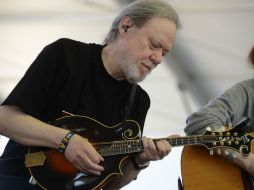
(209, 56)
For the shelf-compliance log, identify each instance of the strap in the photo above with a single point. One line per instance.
(129, 103)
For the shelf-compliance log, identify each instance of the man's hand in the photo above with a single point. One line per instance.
(153, 151)
(82, 155)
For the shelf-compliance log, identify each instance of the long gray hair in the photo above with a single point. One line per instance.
(140, 12)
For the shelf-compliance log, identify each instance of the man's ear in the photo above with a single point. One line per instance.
(125, 24)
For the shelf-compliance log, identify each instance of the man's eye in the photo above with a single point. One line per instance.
(164, 52)
(155, 45)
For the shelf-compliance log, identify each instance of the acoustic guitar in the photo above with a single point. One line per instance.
(202, 171)
(52, 171)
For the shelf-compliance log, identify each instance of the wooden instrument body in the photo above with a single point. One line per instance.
(202, 171)
(58, 174)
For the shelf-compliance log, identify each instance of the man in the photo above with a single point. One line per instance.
(91, 80)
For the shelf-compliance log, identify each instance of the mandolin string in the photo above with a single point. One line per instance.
(179, 140)
(129, 146)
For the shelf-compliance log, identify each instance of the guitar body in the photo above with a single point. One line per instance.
(201, 171)
(58, 174)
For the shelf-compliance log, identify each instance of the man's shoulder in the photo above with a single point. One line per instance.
(71, 43)
(144, 94)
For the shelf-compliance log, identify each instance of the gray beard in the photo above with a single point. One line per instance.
(131, 73)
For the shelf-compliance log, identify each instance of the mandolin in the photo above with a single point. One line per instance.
(52, 171)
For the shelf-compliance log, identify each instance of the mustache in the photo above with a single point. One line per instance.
(150, 66)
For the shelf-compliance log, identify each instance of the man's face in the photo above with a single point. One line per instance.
(145, 47)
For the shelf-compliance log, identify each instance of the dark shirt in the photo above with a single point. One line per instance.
(69, 75)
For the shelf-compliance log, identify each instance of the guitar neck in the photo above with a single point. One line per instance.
(132, 146)
(189, 140)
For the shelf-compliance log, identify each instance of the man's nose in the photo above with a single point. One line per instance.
(157, 56)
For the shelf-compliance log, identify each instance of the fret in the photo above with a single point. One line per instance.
(133, 146)
(122, 147)
(169, 141)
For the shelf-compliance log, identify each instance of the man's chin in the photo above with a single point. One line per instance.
(136, 79)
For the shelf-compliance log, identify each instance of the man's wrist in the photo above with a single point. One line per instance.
(65, 142)
(137, 163)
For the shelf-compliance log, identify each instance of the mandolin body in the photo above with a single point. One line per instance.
(57, 173)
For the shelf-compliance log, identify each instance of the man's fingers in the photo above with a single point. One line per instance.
(90, 166)
(163, 148)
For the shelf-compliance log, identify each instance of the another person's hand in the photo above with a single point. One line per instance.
(229, 154)
(247, 163)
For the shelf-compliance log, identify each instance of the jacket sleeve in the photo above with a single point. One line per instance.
(225, 110)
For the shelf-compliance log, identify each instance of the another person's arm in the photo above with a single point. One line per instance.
(225, 110)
